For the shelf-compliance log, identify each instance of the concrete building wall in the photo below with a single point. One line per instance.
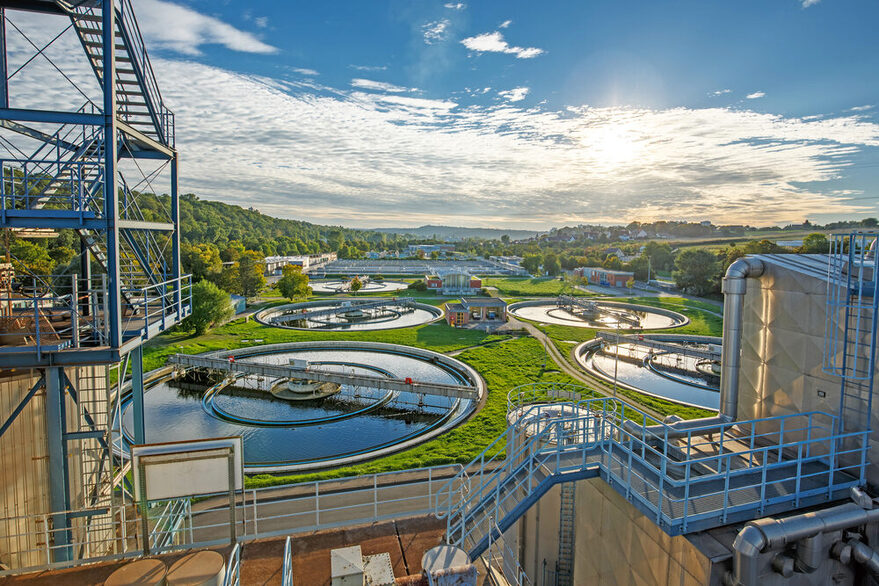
(24, 466)
(615, 544)
(539, 536)
(25, 471)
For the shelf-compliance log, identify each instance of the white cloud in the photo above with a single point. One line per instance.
(807, 3)
(721, 92)
(178, 28)
(436, 31)
(755, 95)
(495, 43)
(505, 24)
(863, 108)
(455, 5)
(355, 157)
(379, 86)
(369, 67)
(261, 21)
(304, 71)
(514, 95)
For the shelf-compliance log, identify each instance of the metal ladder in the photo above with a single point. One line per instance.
(566, 535)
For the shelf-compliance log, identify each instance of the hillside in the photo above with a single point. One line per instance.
(451, 233)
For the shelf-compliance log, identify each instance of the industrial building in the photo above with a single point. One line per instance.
(453, 283)
(475, 309)
(777, 488)
(604, 277)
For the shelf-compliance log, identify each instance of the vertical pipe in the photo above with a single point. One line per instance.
(58, 481)
(111, 207)
(137, 395)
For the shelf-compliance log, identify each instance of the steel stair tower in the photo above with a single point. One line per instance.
(108, 170)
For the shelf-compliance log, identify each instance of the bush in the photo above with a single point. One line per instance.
(210, 305)
(418, 286)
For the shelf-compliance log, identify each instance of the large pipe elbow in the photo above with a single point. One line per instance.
(748, 545)
(866, 556)
(747, 267)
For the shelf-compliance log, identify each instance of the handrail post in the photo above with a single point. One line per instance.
(74, 307)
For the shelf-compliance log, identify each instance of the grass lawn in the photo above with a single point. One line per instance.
(437, 336)
(523, 287)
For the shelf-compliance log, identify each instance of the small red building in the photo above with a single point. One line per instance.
(604, 277)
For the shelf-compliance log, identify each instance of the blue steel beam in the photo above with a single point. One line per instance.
(137, 395)
(59, 488)
(4, 72)
(51, 116)
(111, 206)
(175, 237)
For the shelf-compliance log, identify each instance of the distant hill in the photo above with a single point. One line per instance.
(451, 233)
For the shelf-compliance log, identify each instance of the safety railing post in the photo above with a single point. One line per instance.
(74, 313)
(317, 503)
(375, 495)
(255, 513)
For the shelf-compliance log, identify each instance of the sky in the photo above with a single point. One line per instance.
(518, 114)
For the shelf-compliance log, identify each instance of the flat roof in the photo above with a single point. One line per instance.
(484, 301)
(455, 307)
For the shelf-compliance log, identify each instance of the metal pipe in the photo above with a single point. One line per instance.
(866, 556)
(771, 534)
(734, 288)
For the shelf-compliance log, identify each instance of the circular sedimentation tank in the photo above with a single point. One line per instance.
(341, 286)
(599, 314)
(677, 376)
(352, 314)
(336, 426)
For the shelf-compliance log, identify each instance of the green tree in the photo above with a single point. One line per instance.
(294, 283)
(30, 257)
(815, 243)
(356, 284)
(660, 255)
(531, 263)
(202, 260)
(250, 273)
(434, 255)
(551, 264)
(210, 305)
(697, 271)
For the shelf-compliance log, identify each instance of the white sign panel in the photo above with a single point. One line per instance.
(191, 468)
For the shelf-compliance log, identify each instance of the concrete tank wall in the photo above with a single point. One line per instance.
(617, 544)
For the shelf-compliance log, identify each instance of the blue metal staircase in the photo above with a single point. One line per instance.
(705, 478)
(74, 179)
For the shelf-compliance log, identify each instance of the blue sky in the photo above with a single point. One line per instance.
(522, 113)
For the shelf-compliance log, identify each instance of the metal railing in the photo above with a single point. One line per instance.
(233, 567)
(136, 48)
(683, 482)
(503, 559)
(204, 522)
(152, 309)
(56, 312)
(287, 568)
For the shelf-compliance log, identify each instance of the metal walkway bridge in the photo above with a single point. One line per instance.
(309, 373)
(664, 346)
(592, 309)
(339, 309)
(683, 481)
